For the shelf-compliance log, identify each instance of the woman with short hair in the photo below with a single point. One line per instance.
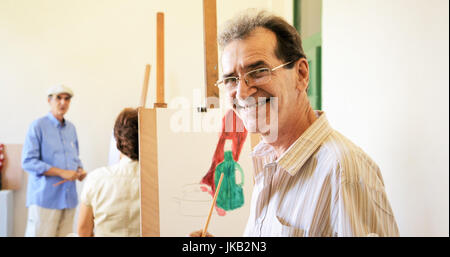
(110, 203)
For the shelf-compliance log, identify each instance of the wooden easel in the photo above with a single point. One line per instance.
(211, 52)
(160, 61)
(148, 147)
(143, 99)
(148, 165)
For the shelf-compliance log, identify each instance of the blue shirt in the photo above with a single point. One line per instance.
(50, 143)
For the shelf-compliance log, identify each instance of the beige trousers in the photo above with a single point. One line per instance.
(43, 222)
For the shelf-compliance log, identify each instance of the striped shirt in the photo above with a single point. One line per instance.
(322, 185)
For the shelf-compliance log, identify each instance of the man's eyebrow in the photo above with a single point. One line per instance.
(255, 65)
(231, 74)
(63, 97)
(251, 66)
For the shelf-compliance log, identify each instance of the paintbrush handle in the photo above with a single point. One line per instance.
(212, 205)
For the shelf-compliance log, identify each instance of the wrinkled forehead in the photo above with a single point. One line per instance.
(258, 46)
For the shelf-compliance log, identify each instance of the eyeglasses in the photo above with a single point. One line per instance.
(252, 78)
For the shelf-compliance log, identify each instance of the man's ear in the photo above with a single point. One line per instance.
(49, 98)
(302, 68)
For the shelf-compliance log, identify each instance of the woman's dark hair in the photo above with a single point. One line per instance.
(126, 133)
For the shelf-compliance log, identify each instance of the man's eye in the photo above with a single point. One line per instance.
(229, 80)
(259, 73)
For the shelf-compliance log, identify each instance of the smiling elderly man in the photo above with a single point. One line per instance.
(309, 179)
(50, 156)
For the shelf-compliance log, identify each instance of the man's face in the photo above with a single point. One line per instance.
(252, 102)
(59, 104)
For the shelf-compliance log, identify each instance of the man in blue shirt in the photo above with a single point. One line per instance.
(50, 156)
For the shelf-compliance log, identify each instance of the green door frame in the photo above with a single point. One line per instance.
(312, 46)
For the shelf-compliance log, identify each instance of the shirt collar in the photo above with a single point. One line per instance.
(55, 121)
(300, 151)
(125, 159)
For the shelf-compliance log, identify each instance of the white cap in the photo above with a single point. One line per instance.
(59, 89)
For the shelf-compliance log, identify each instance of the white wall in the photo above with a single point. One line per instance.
(386, 87)
(99, 48)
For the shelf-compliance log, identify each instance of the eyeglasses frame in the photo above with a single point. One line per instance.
(219, 82)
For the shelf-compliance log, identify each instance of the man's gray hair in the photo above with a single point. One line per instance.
(289, 44)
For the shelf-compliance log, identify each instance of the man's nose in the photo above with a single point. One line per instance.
(244, 91)
(63, 101)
